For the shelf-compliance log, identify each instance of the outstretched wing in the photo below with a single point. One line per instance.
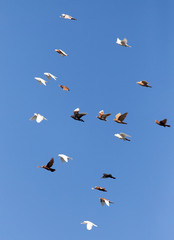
(106, 115)
(33, 118)
(102, 201)
(123, 116)
(50, 163)
(81, 115)
(144, 82)
(163, 121)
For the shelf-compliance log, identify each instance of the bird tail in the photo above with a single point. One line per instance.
(127, 139)
(168, 125)
(113, 177)
(52, 169)
(150, 86)
(73, 19)
(111, 202)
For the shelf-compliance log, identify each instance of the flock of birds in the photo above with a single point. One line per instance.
(119, 118)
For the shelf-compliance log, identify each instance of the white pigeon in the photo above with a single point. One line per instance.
(61, 52)
(39, 118)
(89, 224)
(122, 136)
(64, 158)
(122, 42)
(66, 16)
(41, 81)
(49, 76)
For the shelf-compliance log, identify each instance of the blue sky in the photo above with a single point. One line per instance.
(36, 204)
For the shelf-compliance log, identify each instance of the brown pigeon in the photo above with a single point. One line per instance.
(105, 175)
(119, 118)
(77, 116)
(105, 201)
(64, 88)
(103, 116)
(144, 84)
(100, 189)
(162, 123)
(49, 165)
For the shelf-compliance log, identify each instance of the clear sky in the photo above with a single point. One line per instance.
(40, 205)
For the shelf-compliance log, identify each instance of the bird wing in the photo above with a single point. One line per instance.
(50, 163)
(117, 116)
(107, 202)
(124, 41)
(33, 118)
(81, 114)
(102, 202)
(163, 121)
(106, 115)
(124, 135)
(144, 82)
(54, 77)
(123, 116)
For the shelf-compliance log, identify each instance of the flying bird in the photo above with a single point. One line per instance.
(100, 189)
(103, 116)
(77, 115)
(144, 84)
(66, 16)
(122, 136)
(41, 81)
(48, 166)
(105, 175)
(61, 52)
(119, 118)
(49, 76)
(105, 201)
(89, 224)
(64, 158)
(162, 123)
(122, 42)
(39, 118)
(64, 88)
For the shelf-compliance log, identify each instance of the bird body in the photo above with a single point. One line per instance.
(64, 158)
(66, 16)
(49, 76)
(64, 88)
(122, 42)
(119, 118)
(89, 225)
(61, 52)
(48, 166)
(122, 136)
(105, 175)
(103, 116)
(41, 81)
(100, 189)
(162, 123)
(77, 116)
(39, 118)
(144, 84)
(105, 201)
